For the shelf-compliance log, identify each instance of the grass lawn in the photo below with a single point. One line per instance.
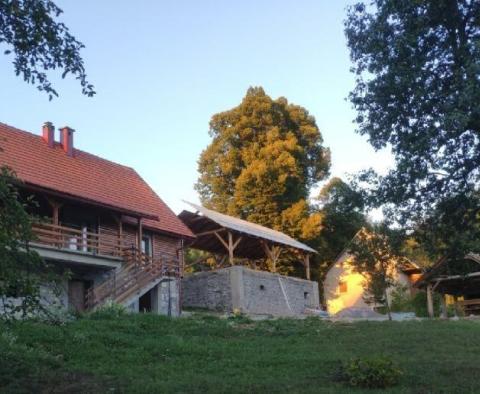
(154, 354)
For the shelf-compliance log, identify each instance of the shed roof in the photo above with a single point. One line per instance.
(207, 220)
(448, 280)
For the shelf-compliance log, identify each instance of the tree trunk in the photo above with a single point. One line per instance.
(389, 312)
(430, 301)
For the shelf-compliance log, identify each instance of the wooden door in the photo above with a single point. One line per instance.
(76, 295)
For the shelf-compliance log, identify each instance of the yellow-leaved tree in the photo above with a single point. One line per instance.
(263, 160)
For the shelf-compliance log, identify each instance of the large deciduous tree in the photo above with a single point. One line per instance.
(417, 91)
(40, 43)
(342, 213)
(264, 158)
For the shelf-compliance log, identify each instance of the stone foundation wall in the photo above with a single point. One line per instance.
(252, 292)
(210, 290)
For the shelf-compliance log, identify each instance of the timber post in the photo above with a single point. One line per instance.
(230, 248)
(307, 265)
(430, 300)
(230, 244)
(443, 301)
(272, 253)
(140, 236)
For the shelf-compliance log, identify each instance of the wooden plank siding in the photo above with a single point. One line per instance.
(108, 229)
(129, 236)
(163, 245)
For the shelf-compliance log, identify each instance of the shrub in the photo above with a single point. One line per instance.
(419, 302)
(239, 318)
(110, 310)
(369, 373)
(401, 300)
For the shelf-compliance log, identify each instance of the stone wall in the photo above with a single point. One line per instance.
(53, 296)
(210, 290)
(252, 292)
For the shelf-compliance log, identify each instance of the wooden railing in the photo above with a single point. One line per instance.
(470, 306)
(69, 238)
(137, 272)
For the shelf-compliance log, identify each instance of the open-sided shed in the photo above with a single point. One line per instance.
(447, 277)
(222, 234)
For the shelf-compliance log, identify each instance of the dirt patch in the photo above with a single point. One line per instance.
(61, 383)
(359, 314)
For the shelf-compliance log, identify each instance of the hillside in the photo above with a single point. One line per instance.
(149, 353)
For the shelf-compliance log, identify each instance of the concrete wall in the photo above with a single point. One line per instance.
(166, 298)
(249, 291)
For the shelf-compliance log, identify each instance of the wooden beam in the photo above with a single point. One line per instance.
(237, 242)
(456, 306)
(55, 215)
(267, 250)
(55, 210)
(430, 301)
(443, 303)
(230, 244)
(307, 265)
(140, 235)
(272, 253)
(221, 240)
(230, 248)
(217, 230)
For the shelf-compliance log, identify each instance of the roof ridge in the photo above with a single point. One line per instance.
(94, 156)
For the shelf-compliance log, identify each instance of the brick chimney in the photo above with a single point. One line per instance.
(49, 134)
(66, 140)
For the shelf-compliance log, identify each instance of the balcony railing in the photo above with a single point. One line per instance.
(72, 239)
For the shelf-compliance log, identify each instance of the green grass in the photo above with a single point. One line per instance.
(153, 354)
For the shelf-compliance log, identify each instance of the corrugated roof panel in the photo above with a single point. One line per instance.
(253, 229)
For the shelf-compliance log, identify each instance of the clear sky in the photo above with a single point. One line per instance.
(161, 69)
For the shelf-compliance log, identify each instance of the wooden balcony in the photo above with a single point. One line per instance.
(76, 240)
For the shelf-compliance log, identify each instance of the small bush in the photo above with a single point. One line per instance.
(373, 373)
(401, 300)
(239, 318)
(110, 310)
(419, 302)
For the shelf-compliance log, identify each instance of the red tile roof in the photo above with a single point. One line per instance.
(85, 176)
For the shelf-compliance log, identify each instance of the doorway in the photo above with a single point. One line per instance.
(145, 302)
(77, 291)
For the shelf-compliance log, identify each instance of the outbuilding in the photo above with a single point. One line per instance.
(234, 286)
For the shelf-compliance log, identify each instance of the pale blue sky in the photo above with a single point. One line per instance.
(163, 68)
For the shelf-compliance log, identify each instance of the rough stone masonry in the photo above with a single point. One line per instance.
(249, 291)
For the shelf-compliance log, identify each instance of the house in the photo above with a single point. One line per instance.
(100, 220)
(457, 282)
(343, 287)
(238, 283)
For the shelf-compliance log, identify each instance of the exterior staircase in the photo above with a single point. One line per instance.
(138, 274)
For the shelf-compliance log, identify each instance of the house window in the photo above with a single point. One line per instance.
(262, 287)
(305, 295)
(147, 245)
(342, 287)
